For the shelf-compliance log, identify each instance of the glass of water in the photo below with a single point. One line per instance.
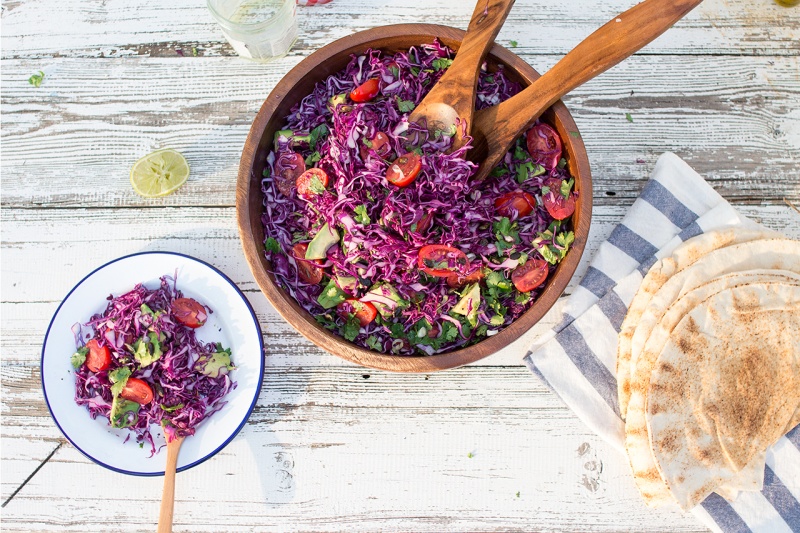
(257, 29)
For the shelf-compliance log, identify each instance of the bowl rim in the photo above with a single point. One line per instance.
(300, 319)
(258, 382)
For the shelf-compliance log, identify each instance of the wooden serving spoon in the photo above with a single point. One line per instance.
(453, 96)
(494, 129)
(168, 496)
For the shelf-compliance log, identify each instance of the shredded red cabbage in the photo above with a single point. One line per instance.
(188, 378)
(381, 228)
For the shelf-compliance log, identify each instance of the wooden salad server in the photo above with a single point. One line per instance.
(168, 496)
(494, 129)
(453, 96)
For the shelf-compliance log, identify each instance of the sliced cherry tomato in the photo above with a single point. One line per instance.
(137, 390)
(518, 201)
(379, 144)
(422, 225)
(404, 170)
(288, 168)
(366, 91)
(544, 145)
(530, 275)
(456, 280)
(304, 181)
(441, 261)
(365, 312)
(555, 203)
(99, 357)
(305, 267)
(189, 312)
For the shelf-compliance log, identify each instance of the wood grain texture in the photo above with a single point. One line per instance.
(331, 446)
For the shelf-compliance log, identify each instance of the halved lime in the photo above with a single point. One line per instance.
(159, 173)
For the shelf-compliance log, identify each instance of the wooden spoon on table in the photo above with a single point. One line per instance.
(453, 96)
(495, 128)
(168, 496)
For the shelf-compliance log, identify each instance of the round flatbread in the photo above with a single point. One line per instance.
(637, 442)
(683, 256)
(725, 387)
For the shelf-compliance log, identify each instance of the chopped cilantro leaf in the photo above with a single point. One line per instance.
(506, 233)
(522, 298)
(316, 135)
(513, 44)
(313, 158)
(442, 63)
(361, 215)
(498, 171)
(374, 343)
(351, 328)
(272, 245)
(119, 378)
(79, 357)
(566, 187)
(36, 79)
(628, 117)
(405, 106)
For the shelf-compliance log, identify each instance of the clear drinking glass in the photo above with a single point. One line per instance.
(257, 29)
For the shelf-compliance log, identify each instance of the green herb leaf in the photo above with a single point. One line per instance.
(313, 158)
(506, 233)
(317, 134)
(374, 343)
(575, 133)
(272, 245)
(442, 63)
(628, 117)
(496, 279)
(119, 377)
(265, 173)
(498, 171)
(489, 79)
(361, 215)
(351, 328)
(405, 106)
(513, 44)
(331, 295)
(395, 71)
(470, 455)
(522, 298)
(548, 253)
(566, 187)
(36, 79)
(79, 357)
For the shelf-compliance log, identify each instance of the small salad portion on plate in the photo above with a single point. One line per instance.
(152, 346)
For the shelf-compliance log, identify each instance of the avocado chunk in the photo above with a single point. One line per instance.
(324, 239)
(124, 413)
(469, 303)
(216, 363)
(386, 299)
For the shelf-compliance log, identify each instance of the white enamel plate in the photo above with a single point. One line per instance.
(233, 323)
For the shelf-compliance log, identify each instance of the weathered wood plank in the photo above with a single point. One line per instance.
(315, 457)
(72, 141)
(120, 29)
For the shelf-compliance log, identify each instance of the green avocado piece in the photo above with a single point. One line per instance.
(469, 303)
(124, 413)
(324, 239)
(214, 364)
(386, 290)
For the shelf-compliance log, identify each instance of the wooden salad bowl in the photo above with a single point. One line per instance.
(298, 83)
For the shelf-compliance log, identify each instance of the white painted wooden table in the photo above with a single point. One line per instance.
(331, 446)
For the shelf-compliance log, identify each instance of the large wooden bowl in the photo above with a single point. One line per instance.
(249, 200)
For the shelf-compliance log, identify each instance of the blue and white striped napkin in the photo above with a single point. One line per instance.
(577, 359)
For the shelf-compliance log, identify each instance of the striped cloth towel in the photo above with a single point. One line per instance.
(577, 359)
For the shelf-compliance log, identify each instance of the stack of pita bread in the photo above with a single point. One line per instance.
(708, 365)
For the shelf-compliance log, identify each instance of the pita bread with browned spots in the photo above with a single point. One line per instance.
(725, 387)
(682, 257)
(637, 442)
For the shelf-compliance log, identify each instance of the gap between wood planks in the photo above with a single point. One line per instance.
(61, 443)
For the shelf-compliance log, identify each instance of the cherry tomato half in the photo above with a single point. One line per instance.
(189, 312)
(137, 390)
(457, 280)
(288, 168)
(304, 181)
(441, 261)
(518, 201)
(99, 357)
(555, 203)
(366, 91)
(404, 170)
(305, 267)
(544, 145)
(530, 275)
(379, 144)
(365, 312)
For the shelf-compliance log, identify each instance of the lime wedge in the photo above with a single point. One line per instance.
(159, 173)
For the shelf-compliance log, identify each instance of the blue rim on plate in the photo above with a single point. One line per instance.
(206, 455)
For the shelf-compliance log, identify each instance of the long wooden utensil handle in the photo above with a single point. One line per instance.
(168, 496)
(458, 85)
(495, 128)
